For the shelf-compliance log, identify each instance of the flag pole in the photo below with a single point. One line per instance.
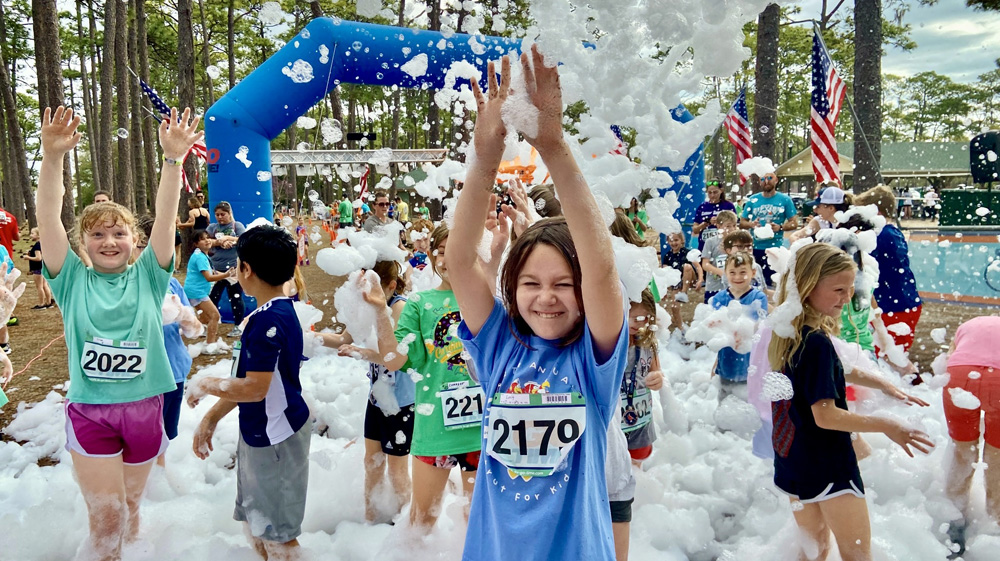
(850, 107)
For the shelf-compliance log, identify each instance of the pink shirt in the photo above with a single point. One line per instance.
(977, 343)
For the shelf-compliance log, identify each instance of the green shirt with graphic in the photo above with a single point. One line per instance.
(854, 325)
(114, 330)
(429, 324)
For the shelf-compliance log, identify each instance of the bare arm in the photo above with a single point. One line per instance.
(474, 290)
(190, 221)
(237, 390)
(59, 136)
(707, 265)
(176, 138)
(213, 277)
(869, 380)
(697, 227)
(829, 416)
(600, 285)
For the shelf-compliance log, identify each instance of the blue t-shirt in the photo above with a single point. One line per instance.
(731, 365)
(5, 258)
(177, 353)
(552, 398)
(704, 214)
(272, 342)
(403, 386)
(897, 289)
(804, 453)
(776, 209)
(195, 285)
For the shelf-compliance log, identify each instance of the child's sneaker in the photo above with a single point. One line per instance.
(5, 347)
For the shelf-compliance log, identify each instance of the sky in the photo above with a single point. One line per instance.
(952, 40)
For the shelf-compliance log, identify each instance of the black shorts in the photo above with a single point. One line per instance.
(821, 490)
(621, 511)
(393, 432)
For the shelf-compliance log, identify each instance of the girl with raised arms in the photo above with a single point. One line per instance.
(551, 377)
(112, 317)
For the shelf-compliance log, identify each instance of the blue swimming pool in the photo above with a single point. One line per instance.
(957, 266)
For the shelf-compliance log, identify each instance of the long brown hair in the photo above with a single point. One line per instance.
(623, 228)
(812, 263)
(553, 232)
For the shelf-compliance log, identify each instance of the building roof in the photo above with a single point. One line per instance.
(899, 159)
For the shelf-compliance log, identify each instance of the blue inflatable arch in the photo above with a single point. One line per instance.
(239, 127)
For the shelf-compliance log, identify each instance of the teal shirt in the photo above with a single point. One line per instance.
(774, 210)
(117, 307)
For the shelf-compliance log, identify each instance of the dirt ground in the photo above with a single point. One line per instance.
(39, 355)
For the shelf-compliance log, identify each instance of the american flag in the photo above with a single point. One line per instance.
(738, 125)
(619, 147)
(200, 150)
(827, 97)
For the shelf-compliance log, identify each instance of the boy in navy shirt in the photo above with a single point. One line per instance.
(272, 458)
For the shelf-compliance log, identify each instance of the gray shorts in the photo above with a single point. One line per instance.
(271, 486)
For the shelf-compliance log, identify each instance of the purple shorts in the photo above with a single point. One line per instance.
(134, 430)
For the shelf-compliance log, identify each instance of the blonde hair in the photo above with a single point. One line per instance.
(739, 259)
(725, 216)
(812, 263)
(300, 285)
(880, 196)
(99, 214)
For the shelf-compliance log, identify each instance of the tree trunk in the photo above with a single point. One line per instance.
(433, 113)
(231, 38)
(15, 146)
(139, 169)
(867, 93)
(105, 157)
(88, 102)
(185, 68)
(48, 67)
(149, 137)
(95, 139)
(210, 89)
(123, 174)
(765, 118)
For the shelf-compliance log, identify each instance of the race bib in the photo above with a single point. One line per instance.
(640, 413)
(237, 347)
(462, 406)
(106, 360)
(531, 434)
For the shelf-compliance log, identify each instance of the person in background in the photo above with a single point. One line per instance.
(768, 208)
(345, 213)
(102, 197)
(705, 225)
(9, 233)
(931, 202)
(896, 292)
(381, 215)
(402, 210)
(637, 215)
(830, 200)
(713, 257)
(34, 257)
(224, 233)
(974, 380)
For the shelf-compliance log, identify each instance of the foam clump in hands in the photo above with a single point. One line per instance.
(725, 327)
(174, 311)
(355, 308)
(9, 294)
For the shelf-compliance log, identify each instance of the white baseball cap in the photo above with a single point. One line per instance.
(830, 196)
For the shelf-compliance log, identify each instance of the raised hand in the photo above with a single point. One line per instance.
(545, 93)
(490, 131)
(8, 293)
(59, 134)
(177, 137)
(373, 294)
